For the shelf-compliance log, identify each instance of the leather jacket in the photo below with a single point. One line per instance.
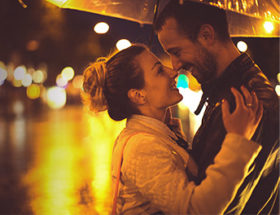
(259, 191)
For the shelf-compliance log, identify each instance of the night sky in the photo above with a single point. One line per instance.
(66, 38)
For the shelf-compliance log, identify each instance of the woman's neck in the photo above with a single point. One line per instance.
(158, 114)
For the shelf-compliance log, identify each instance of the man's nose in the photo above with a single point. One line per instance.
(173, 73)
(176, 63)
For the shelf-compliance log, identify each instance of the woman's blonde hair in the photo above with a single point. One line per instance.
(93, 86)
(108, 80)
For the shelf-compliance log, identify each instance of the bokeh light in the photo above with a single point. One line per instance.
(277, 89)
(38, 76)
(58, 2)
(3, 74)
(268, 26)
(27, 80)
(278, 77)
(182, 81)
(16, 83)
(33, 91)
(18, 107)
(60, 81)
(101, 28)
(78, 82)
(32, 45)
(67, 73)
(19, 72)
(123, 44)
(56, 97)
(242, 46)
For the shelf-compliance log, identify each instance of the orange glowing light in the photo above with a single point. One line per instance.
(268, 26)
(58, 2)
(78, 81)
(103, 132)
(55, 179)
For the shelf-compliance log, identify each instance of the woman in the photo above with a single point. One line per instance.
(155, 170)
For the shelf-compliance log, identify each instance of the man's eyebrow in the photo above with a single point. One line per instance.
(157, 63)
(171, 50)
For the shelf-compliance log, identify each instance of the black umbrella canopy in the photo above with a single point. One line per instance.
(249, 18)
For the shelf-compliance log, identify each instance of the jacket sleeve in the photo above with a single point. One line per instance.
(153, 168)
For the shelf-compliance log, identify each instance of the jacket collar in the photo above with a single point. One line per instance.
(212, 92)
(149, 125)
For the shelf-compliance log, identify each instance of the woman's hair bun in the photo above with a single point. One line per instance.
(93, 86)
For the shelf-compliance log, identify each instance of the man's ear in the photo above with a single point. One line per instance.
(137, 96)
(206, 35)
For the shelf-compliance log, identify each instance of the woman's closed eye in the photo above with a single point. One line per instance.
(160, 69)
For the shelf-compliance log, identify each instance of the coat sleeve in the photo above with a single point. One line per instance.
(154, 169)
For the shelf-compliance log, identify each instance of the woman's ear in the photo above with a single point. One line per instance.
(137, 96)
(206, 35)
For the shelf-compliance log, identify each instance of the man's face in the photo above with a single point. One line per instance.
(186, 54)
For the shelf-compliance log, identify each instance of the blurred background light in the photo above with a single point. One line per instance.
(101, 28)
(56, 97)
(27, 80)
(277, 89)
(3, 74)
(182, 81)
(58, 2)
(32, 45)
(278, 77)
(33, 91)
(190, 98)
(60, 81)
(18, 107)
(19, 72)
(78, 81)
(67, 73)
(242, 46)
(38, 76)
(123, 44)
(268, 26)
(16, 83)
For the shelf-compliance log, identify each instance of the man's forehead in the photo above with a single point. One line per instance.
(170, 24)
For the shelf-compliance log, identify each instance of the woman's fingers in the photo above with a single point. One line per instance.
(238, 99)
(247, 96)
(225, 110)
(255, 102)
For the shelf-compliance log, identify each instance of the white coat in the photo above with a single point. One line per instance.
(153, 176)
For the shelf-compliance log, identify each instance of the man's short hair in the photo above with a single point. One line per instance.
(190, 16)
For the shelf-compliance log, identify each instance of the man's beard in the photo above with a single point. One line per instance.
(207, 65)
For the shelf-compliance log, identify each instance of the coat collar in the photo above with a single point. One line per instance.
(149, 125)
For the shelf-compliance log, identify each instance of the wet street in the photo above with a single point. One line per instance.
(56, 162)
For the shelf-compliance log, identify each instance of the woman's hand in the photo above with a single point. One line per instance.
(246, 117)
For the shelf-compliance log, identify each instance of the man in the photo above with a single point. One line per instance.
(196, 37)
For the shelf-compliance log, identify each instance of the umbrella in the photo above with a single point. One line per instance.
(250, 18)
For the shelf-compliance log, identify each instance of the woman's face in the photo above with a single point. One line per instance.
(160, 84)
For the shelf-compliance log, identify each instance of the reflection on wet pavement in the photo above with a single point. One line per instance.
(57, 163)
